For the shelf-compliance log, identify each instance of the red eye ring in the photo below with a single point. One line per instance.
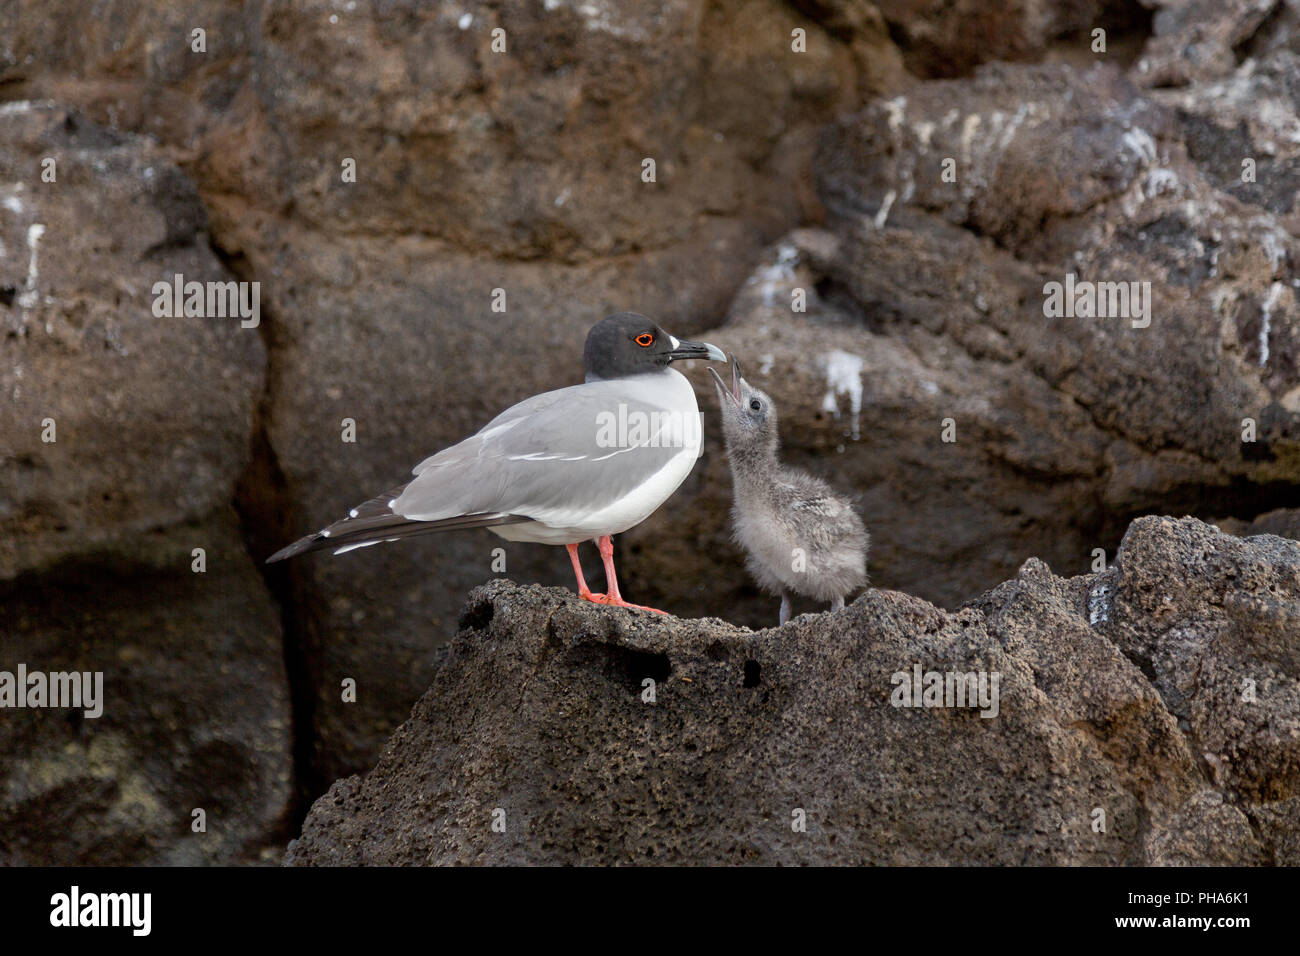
(645, 340)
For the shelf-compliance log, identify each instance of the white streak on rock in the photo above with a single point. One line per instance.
(23, 106)
(895, 109)
(843, 377)
(1099, 604)
(776, 275)
(1266, 320)
(31, 295)
(1273, 248)
(1140, 143)
(968, 130)
(1013, 126)
(1160, 180)
(883, 214)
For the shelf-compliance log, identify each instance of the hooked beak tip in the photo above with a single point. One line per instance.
(696, 350)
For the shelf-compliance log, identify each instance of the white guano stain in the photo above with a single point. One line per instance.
(1274, 246)
(1099, 604)
(894, 108)
(776, 275)
(1159, 181)
(883, 214)
(843, 377)
(1013, 127)
(968, 130)
(14, 107)
(1139, 142)
(1266, 320)
(605, 16)
(31, 295)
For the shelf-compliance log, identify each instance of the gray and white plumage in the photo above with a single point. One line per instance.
(544, 470)
(543, 460)
(797, 533)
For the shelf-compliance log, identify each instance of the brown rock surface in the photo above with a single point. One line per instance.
(540, 720)
(926, 305)
(521, 171)
(151, 416)
(195, 708)
(151, 421)
(476, 171)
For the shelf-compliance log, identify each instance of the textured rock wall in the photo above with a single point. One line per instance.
(124, 437)
(521, 171)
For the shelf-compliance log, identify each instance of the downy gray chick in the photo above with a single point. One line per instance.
(797, 533)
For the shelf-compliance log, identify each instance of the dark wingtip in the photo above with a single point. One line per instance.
(293, 550)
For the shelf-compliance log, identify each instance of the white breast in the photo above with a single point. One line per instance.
(670, 391)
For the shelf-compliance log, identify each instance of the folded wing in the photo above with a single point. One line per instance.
(552, 458)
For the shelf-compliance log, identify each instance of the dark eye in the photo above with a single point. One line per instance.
(645, 340)
(756, 405)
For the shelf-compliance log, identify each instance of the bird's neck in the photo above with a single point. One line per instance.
(754, 461)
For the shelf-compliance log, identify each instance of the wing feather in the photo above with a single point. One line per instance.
(551, 458)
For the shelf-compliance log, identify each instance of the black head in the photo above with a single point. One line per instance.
(627, 343)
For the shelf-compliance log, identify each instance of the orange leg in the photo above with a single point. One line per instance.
(583, 591)
(606, 546)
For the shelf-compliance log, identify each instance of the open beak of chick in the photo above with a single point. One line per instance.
(732, 393)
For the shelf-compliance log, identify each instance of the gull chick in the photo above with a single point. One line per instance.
(798, 534)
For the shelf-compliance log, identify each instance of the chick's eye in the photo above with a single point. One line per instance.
(645, 340)
(756, 405)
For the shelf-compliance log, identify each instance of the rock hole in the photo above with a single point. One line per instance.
(478, 616)
(622, 665)
(752, 674)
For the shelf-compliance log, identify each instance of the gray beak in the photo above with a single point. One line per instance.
(696, 350)
(733, 392)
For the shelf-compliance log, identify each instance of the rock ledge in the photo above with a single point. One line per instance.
(1147, 714)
